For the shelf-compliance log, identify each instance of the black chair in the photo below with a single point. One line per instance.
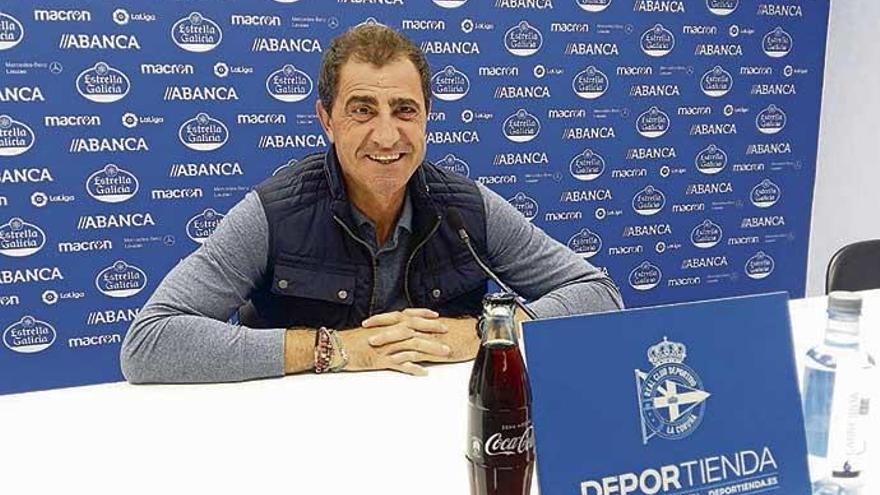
(854, 267)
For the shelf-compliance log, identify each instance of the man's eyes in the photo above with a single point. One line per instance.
(405, 111)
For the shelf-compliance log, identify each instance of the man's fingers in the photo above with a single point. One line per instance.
(415, 357)
(427, 325)
(410, 369)
(383, 319)
(425, 346)
(395, 334)
(421, 312)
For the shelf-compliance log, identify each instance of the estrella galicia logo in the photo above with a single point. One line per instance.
(590, 83)
(450, 84)
(121, 280)
(455, 165)
(290, 163)
(526, 205)
(765, 194)
(716, 82)
(585, 243)
(11, 31)
(771, 120)
(203, 133)
(711, 160)
(672, 398)
(521, 127)
(722, 7)
(289, 84)
(201, 226)
(102, 83)
(657, 41)
(594, 5)
(777, 43)
(649, 201)
(15, 137)
(523, 39)
(29, 335)
(196, 33)
(646, 276)
(450, 4)
(706, 234)
(587, 165)
(653, 123)
(759, 266)
(112, 184)
(19, 238)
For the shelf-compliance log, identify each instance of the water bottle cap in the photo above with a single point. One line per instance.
(845, 302)
(499, 298)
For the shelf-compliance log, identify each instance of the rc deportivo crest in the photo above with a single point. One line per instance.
(671, 395)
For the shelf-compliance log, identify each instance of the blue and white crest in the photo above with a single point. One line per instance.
(29, 335)
(11, 31)
(590, 83)
(450, 4)
(585, 243)
(201, 226)
(765, 194)
(120, 280)
(722, 7)
(706, 234)
(15, 137)
(196, 33)
(593, 5)
(370, 21)
(290, 163)
(587, 165)
(112, 184)
(523, 39)
(526, 205)
(711, 160)
(716, 82)
(657, 41)
(455, 165)
(649, 201)
(289, 84)
(450, 84)
(102, 83)
(759, 266)
(672, 398)
(521, 127)
(203, 133)
(653, 123)
(646, 276)
(19, 238)
(777, 43)
(771, 120)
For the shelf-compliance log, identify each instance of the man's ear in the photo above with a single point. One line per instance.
(324, 117)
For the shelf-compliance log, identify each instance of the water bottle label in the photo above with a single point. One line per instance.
(818, 393)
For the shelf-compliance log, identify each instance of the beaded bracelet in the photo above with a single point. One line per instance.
(323, 350)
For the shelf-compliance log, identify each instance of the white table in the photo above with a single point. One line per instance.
(364, 433)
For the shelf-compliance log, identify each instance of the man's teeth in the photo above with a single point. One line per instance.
(385, 158)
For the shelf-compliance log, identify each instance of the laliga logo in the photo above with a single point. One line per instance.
(29, 335)
(19, 238)
(706, 235)
(722, 7)
(102, 83)
(657, 41)
(716, 82)
(587, 165)
(590, 83)
(523, 39)
(777, 43)
(121, 280)
(711, 160)
(765, 194)
(671, 395)
(653, 123)
(455, 165)
(112, 184)
(203, 133)
(759, 266)
(450, 4)
(201, 226)
(771, 120)
(290, 163)
(11, 31)
(450, 84)
(646, 276)
(526, 205)
(649, 201)
(594, 5)
(196, 33)
(15, 137)
(289, 84)
(521, 127)
(585, 243)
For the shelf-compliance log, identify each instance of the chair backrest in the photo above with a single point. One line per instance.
(854, 267)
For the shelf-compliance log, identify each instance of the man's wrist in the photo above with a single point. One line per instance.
(299, 350)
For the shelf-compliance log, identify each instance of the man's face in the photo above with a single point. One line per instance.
(377, 124)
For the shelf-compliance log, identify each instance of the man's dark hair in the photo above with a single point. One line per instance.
(371, 43)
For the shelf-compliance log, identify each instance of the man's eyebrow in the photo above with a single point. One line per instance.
(362, 99)
(396, 102)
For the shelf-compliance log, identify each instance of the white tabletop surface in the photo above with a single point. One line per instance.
(349, 433)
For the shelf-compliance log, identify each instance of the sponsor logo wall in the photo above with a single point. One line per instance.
(671, 142)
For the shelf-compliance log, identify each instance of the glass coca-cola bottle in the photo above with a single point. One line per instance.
(501, 439)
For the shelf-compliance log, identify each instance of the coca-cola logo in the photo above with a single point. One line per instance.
(498, 444)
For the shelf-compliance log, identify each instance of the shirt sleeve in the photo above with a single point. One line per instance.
(555, 279)
(182, 334)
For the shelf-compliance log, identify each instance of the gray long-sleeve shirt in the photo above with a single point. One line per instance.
(182, 334)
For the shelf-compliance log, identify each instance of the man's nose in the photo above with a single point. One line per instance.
(386, 134)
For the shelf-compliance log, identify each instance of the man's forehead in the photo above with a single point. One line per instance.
(400, 75)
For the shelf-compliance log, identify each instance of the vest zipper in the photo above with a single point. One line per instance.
(372, 262)
(413, 255)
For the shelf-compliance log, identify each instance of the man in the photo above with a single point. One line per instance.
(347, 261)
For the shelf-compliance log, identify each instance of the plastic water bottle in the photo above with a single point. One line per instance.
(836, 400)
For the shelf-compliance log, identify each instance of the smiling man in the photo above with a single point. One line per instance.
(347, 261)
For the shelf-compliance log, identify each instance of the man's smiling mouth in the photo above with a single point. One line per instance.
(385, 158)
